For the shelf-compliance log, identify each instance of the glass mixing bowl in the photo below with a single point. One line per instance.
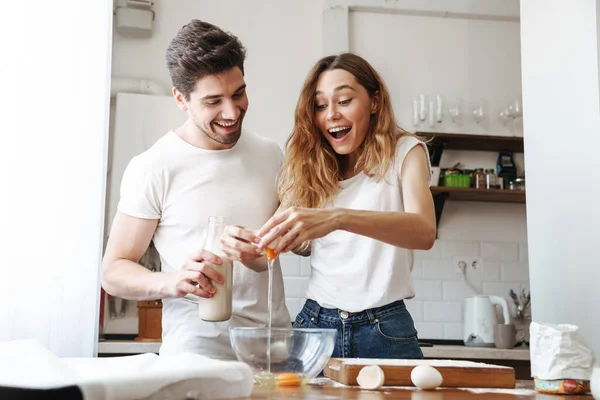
(296, 355)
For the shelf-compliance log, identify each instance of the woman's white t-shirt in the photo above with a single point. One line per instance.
(354, 272)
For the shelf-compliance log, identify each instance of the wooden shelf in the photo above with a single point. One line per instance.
(472, 194)
(461, 141)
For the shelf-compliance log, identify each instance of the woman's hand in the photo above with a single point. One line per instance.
(239, 243)
(297, 225)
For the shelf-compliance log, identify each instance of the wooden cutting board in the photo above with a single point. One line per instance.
(455, 373)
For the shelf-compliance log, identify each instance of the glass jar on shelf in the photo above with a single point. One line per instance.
(490, 179)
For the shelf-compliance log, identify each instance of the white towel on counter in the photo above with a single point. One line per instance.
(27, 364)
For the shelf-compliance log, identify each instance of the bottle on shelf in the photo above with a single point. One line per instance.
(479, 178)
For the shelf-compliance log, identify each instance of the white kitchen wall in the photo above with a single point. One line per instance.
(284, 39)
(474, 61)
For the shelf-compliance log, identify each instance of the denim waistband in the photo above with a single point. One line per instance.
(316, 312)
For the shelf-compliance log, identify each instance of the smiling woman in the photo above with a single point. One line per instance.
(343, 113)
(355, 190)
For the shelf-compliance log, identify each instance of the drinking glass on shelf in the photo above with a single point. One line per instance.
(515, 111)
(456, 111)
(422, 107)
(439, 108)
(431, 113)
(504, 116)
(415, 110)
(478, 113)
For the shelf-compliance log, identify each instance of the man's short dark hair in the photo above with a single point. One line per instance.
(200, 49)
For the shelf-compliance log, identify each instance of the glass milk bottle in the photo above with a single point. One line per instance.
(218, 307)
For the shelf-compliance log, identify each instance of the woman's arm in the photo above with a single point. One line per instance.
(412, 229)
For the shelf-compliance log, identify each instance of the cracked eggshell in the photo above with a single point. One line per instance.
(370, 377)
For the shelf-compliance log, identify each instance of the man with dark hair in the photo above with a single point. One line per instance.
(206, 167)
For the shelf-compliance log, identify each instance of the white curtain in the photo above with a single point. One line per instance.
(54, 104)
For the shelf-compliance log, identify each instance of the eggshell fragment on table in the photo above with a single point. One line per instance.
(370, 377)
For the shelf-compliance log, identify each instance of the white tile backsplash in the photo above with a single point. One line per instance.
(442, 311)
(417, 271)
(290, 265)
(430, 330)
(440, 290)
(440, 269)
(415, 308)
(515, 272)
(428, 290)
(304, 266)
(453, 331)
(523, 253)
(503, 252)
(457, 291)
(451, 249)
(488, 271)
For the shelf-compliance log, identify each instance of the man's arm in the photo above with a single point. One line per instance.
(123, 277)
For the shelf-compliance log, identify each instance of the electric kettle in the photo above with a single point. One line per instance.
(480, 319)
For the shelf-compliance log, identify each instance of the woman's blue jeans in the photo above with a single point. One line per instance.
(382, 332)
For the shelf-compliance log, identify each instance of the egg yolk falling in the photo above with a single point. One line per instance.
(271, 254)
(288, 379)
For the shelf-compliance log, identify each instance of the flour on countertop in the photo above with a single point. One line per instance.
(433, 363)
(326, 382)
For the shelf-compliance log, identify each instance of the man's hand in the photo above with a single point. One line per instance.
(195, 275)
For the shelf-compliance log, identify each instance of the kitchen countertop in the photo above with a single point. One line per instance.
(487, 353)
(326, 389)
(437, 351)
(127, 347)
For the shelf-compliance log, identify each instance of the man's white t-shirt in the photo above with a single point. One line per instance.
(354, 272)
(182, 185)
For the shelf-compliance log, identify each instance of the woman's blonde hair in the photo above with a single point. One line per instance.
(310, 174)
